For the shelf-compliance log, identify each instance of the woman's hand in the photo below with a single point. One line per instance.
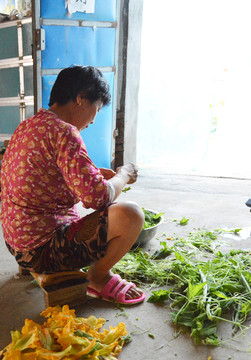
(130, 171)
(107, 173)
(126, 174)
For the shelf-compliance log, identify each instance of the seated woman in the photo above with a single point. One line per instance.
(46, 171)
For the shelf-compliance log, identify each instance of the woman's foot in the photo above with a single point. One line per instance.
(113, 288)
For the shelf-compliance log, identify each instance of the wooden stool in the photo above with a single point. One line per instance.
(66, 287)
(23, 271)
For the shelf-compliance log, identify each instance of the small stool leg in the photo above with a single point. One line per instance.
(23, 271)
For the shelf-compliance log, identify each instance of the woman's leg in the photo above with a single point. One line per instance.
(125, 221)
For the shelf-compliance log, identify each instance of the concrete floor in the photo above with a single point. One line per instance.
(208, 202)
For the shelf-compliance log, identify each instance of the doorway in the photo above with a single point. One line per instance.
(195, 88)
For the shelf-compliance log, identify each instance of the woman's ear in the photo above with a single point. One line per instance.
(79, 100)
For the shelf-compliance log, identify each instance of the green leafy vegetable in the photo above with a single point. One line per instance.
(159, 295)
(151, 219)
(126, 189)
(207, 285)
(184, 221)
(163, 252)
(231, 231)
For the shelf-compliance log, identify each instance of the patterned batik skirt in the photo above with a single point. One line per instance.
(72, 247)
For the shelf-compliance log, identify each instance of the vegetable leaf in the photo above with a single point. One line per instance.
(194, 290)
(159, 295)
(183, 221)
(126, 189)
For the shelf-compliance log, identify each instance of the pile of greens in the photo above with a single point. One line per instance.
(151, 219)
(203, 285)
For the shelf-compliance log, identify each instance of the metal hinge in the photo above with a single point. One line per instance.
(40, 39)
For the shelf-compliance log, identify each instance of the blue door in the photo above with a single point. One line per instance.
(82, 39)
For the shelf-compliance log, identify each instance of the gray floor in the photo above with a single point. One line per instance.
(208, 202)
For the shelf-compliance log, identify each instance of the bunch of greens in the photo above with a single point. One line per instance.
(206, 285)
(151, 219)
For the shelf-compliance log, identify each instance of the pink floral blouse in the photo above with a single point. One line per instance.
(45, 172)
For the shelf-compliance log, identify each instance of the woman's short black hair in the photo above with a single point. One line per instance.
(86, 81)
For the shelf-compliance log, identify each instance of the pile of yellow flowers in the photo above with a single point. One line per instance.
(65, 336)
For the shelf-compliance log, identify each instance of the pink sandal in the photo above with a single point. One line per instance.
(115, 291)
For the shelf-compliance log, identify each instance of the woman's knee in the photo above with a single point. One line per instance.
(132, 210)
(127, 212)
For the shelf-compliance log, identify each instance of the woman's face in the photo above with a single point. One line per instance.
(87, 112)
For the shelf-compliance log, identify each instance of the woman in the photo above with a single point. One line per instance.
(46, 171)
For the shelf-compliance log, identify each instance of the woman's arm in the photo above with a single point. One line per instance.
(107, 173)
(126, 174)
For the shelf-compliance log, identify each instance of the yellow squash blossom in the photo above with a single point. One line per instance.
(65, 336)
